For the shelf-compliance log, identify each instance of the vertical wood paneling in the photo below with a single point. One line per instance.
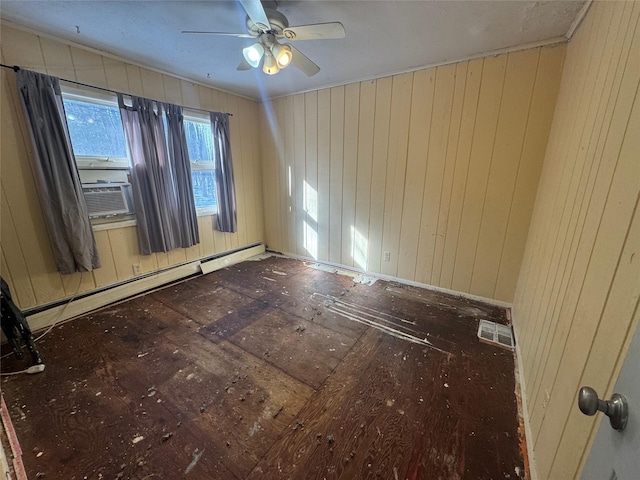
(459, 78)
(106, 274)
(273, 189)
(576, 194)
(482, 147)
(135, 80)
(396, 167)
(577, 295)
(172, 92)
(299, 131)
(30, 268)
(565, 199)
(533, 150)
(512, 124)
(189, 94)
(423, 165)
(363, 178)
(14, 263)
(116, 73)
(310, 183)
(6, 274)
(289, 172)
(238, 170)
(248, 171)
(88, 67)
(467, 126)
(282, 174)
(434, 181)
(349, 172)
(324, 174)
(414, 182)
(335, 191)
(379, 172)
(22, 49)
(58, 60)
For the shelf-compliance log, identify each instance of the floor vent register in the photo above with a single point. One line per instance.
(496, 334)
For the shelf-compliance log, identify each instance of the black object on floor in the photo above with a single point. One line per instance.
(15, 326)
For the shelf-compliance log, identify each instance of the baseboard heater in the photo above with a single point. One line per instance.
(46, 315)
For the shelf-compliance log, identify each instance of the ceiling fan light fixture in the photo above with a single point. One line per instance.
(282, 54)
(253, 54)
(270, 66)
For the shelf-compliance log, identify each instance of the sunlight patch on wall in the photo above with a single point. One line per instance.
(310, 206)
(359, 248)
(311, 240)
(310, 201)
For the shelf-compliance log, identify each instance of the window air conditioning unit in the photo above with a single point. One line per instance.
(105, 199)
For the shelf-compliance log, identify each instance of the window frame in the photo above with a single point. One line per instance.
(98, 163)
(198, 165)
(96, 97)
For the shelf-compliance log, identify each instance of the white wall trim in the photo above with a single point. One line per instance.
(578, 20)
(222, 262)
(102, 298)
(469, 296)
(491, 53)
(520, 383)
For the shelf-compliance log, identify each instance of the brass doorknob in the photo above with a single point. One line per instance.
(616, 408)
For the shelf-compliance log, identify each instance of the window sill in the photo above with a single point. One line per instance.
(206, 212)
(98, 227)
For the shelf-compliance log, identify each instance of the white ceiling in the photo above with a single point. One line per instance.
(383, 37)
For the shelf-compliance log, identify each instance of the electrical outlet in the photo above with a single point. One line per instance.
(387, 255)
(137, 269)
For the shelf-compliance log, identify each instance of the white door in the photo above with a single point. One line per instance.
(616, 455)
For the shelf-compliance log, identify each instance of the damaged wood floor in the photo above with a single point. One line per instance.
(272, 369)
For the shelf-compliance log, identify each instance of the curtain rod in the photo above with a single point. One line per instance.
(16, 68)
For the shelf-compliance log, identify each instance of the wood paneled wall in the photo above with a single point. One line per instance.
(576, 305)
(27, 262)
(437, 167)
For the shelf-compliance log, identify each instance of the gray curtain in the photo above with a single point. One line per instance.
(227, 220)
(55, 173)
(181, 168)
(156, 196)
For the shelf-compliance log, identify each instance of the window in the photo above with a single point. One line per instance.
(100, 149)
(200, 146)
(96, 130)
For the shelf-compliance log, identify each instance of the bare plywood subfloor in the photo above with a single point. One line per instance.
(271, 369)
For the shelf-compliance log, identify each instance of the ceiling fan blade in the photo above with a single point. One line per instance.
(315, 31)
(303, 62)
(244, 65)
(239, 35)
(256, 12)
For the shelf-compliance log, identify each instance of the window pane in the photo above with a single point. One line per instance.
(199, 141)
(96, 130)
(204, 188)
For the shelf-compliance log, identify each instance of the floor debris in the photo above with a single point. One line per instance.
(195, 458)
(337, 376)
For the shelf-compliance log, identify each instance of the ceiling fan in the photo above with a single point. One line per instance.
(268, 26)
